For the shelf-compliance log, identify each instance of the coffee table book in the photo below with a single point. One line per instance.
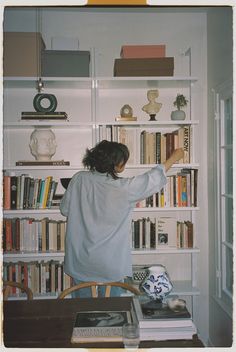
(99, 326)
(161, 317)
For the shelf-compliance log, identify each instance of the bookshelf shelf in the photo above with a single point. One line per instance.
(31, 212)
(165, 209)
(154, 124)
(29, 256)
(182, 288)
(41, 296)
(49, 82)
(148, 166)
(49, 167)
(165, 251)
(143, 82)
(50, 124)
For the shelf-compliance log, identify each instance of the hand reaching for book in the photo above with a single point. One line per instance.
(175, 156)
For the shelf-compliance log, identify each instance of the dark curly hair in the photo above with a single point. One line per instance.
(105, 156)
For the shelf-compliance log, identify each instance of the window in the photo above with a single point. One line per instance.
(224, 204)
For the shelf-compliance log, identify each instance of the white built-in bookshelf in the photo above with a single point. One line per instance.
(92, 104)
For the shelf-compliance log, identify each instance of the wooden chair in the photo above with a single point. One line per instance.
(7, 288)
(93, 285)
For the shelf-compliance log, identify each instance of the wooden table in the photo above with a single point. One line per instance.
(49, 323)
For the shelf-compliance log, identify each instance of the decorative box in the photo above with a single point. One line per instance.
(144, 67)
(65, 63)
(142, 51)
(21, 53)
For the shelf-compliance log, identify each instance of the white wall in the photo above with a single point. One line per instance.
(219, 69)
(107, 30)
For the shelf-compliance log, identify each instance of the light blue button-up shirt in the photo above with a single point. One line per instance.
(99, 212)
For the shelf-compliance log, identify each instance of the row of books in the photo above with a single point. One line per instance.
(41, 277)
(26, 192)
(150, 147)
(179, 191)
(161, 232)
(33, 235)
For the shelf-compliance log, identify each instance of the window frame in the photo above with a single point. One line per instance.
(222, 94)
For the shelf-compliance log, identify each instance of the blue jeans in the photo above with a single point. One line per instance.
(86, 292)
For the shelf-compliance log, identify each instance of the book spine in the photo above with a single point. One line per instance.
(186, 145)
(7, 192)
(13, 196)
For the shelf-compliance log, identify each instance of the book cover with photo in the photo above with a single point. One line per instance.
(100, 325)
(162, 316)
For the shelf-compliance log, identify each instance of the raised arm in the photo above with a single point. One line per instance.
(175, 156)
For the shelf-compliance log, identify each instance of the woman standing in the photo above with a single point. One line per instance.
(98, 205)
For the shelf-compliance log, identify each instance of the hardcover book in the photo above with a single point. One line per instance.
(99, 326)
(161, 316)
(35, 115)
(42, 163)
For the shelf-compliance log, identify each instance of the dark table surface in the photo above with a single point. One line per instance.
(49, 323)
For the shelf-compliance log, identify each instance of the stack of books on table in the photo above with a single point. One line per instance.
(163, 323)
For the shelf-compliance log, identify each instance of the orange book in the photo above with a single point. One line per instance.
(179, 190)
(7, 192)
(8, 228)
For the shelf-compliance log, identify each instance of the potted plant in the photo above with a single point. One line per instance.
(180, 102)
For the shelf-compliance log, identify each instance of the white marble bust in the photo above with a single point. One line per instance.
(43, 144)
(152, 107)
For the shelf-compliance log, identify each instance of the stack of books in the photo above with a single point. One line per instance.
(35, 115)
(163, 323)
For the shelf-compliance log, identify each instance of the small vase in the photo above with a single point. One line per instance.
(157, 284)
(178, 115)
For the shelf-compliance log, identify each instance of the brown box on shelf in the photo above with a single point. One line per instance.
(21, 53)
(65, 63)
(144, 67)
(142, 51)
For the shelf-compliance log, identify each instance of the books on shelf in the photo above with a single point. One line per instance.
(42, 277)
(42, 163)
(94, 326)
(156, 147)
(28, 192)
(33, 235)
(179, 191)
(35, 115)
(161, 232)
(150, 147)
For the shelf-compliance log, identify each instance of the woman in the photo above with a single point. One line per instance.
(98, 205)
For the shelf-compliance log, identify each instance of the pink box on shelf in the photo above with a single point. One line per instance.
(142, 51)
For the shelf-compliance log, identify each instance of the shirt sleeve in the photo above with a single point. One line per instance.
(143, 186)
